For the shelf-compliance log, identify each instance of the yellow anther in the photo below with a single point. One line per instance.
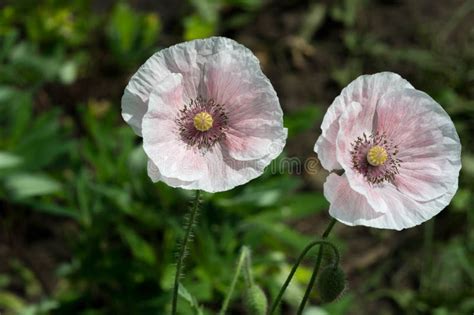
(377, 156)
(203, 121)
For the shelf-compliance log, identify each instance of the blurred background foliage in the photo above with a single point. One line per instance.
(84, 231)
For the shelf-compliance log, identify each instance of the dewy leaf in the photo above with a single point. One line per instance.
(28, 185)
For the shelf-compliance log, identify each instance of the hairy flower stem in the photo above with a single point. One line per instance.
(316, 269)
(244, 259)
(300, 259)
(184, 247)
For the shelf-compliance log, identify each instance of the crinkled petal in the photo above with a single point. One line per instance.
(350, 207)
(226, 72)
(188, 59)
(365, 90)
(255, 118)
(254, 139)
(429, 150)
(354, 122)
(156, 176)
(405, 212)
(161, 142)
(429, 146)
(224, 173)
(180, 165)
(220, 172)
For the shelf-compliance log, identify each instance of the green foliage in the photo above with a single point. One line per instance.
(131, 35)
(75, 174)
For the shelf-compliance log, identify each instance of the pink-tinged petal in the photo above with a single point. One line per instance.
(405, 212)
(237, 81)
(161, 140)
(420, 176)
(348, 206)
(429, 146)
(187, 58)
(220, 172)
(133, 110)
(365, 90)
(354, 122)
(167, 98)
(394, 210)
(138, 90)
(255, 119)
(223, 79)
(156, 176)
(175, 160)
(326, 150)
(158, 124)
(253, 139)
(223, 173)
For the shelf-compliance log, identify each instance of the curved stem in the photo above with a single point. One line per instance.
(244, 255)
(183, 250)
(248, 269)
(316, 269)
(329, 228)
(296, 265)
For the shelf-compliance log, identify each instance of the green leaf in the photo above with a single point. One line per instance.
(151, 29)
(29, 185)
(277, 230)
(262, 194)
(11, 302)
(52, 209)
(295, 207)
(8, 160)
(140, 248)
(68, 72)
(197, 27)
(302, 120)
(184, 293)
(123, 27)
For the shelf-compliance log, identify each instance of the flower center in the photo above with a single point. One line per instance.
(377, 155)
(203, 121)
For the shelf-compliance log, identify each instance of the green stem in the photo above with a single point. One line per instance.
(242, 259)
(298, 261)
(248, 270)
(315, 270)
(183, 250)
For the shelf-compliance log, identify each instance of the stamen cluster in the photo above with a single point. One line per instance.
(202, 138)
(375, 174)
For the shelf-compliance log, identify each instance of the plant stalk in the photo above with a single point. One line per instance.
(300, 259)
(182, 252)
(315, 269)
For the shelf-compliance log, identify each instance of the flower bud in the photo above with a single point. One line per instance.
(331, 283)
(256, 301)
